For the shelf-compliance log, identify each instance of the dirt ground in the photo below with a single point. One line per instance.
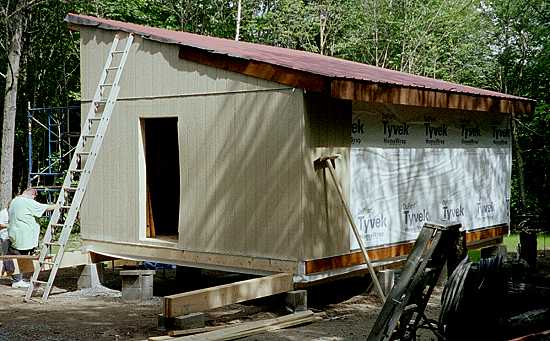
(348, 310)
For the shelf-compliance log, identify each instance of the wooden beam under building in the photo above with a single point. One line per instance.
(222, 295)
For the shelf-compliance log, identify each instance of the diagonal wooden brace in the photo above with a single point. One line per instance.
(328, 162)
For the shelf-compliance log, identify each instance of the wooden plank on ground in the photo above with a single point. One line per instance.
(160, 338)
(192, 331)
(222, 295)
(184, 332)
(252, 328)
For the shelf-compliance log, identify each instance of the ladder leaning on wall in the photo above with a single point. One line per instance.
(82, 163)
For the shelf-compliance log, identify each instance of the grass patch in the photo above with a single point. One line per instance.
(73, 244)
(474, 255)
(512, 241)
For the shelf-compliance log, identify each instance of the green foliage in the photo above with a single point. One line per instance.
(534, 134)
(494, 44)
(511, 242)
(285, 23)
(521, 48)
(438, 38)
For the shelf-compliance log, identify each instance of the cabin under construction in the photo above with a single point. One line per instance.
(209, 157)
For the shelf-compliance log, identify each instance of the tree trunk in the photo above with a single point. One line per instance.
(10, 108)
(519, 161)
(238, 21)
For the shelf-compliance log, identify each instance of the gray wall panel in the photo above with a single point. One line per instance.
(241, 162)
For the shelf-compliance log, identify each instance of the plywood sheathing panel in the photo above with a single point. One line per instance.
(240, 154)
(328, 131)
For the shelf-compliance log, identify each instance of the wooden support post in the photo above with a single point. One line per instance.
(328, 162)
(222, 295)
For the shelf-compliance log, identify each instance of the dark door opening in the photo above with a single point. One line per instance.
(162, 177)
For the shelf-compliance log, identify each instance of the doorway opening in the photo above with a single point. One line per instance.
(162, 177)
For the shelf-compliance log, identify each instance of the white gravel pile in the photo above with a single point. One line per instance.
(96, 291)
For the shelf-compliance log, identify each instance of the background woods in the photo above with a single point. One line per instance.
(498, 45)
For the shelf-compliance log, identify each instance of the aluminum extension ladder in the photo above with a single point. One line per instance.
(76, 180)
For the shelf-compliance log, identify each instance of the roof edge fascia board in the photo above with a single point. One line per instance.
(428, 98)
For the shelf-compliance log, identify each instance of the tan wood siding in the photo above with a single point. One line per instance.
(240, 154)
(328, 131)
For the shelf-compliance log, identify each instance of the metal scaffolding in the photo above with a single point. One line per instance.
(52, 136)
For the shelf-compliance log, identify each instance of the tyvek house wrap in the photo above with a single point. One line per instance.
(411, 167)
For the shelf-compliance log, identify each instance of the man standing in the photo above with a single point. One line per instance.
(23, 229)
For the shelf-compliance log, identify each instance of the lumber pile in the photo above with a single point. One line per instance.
(244, 329)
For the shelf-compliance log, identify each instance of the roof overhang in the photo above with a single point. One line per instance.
(332, 76)
(357, 90)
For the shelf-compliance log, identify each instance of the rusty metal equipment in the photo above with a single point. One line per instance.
(403, 312)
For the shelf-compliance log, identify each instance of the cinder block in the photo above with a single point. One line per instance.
(137, 285)
(189, 321)
(91, 275)
(387, 278)
(296, 300)
(131, 295)
(164, 323)
(502, 251)
(492, 251)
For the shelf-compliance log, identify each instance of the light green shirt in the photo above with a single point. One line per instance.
(23, 228)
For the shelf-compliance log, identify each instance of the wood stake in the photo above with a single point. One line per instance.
(355, 230)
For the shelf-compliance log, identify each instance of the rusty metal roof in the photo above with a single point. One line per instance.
(308, 62)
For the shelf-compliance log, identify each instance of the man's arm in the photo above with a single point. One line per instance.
(52, 207)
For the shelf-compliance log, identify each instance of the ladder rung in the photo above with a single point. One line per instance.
(88, 136)
(66, 207)
(106, 84)
(83, 153)
(76, 170)
(70, 189)
(94, 119)
(57, 225)
(53, 243)
(41, 282)
(101, 101)
(117, 52)
(48, 262)
(112, 68)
